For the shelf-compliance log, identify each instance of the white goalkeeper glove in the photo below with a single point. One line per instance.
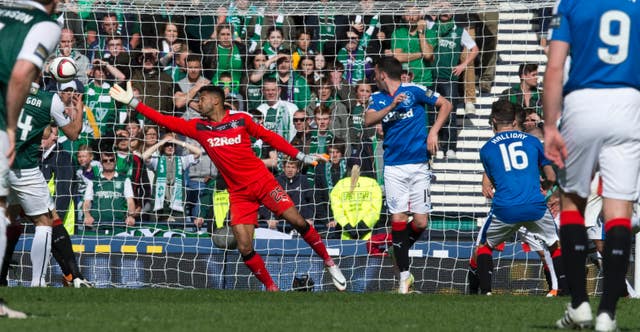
(311, 160)
(124, 96)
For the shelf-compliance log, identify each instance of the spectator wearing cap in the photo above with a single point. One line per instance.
(66, 92)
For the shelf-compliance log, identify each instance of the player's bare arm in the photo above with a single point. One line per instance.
(372, 117)
(444, 110)
(175, 124)
(554, 146)
(280, 144)
(550, 177)
(487, 186)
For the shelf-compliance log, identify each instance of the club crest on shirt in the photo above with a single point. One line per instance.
(409, 99)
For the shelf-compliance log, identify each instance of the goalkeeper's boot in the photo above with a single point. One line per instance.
(10, 313)
(405, 284)
(552, 293)
(82, 283)
(604, 323)
(578, 318)
(336, 276)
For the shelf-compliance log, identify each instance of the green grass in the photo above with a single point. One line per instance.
(59, 309)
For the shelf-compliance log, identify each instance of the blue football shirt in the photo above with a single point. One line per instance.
(405, 127)
(512, 160)
(605, 42)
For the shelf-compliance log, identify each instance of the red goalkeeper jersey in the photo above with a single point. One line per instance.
(227, 143)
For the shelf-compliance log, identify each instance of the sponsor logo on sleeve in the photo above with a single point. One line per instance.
(41, 52)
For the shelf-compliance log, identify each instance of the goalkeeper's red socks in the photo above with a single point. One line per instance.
(311, 236)
(255, 263)
(617, 247)
(573, 241)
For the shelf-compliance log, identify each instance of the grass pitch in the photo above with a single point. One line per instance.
(60, 309)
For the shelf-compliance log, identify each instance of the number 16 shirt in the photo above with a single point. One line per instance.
(512, 160)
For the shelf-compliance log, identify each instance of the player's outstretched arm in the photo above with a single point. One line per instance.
(444, 110)
(173, 123)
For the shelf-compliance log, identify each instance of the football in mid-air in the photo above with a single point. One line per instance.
(63, 69)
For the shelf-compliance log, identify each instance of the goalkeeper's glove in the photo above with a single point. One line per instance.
(311, 160)
(124, 96)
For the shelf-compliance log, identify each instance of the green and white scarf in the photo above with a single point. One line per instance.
(327, 172)
(161, 185)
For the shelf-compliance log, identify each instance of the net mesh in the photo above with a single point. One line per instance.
(166, 249)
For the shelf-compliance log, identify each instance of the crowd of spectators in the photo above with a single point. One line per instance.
(308, 78)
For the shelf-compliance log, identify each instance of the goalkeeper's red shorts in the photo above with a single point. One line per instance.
(246, 201)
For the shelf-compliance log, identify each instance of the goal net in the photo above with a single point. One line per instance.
(320, 58)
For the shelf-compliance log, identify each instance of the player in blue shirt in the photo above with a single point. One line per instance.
(408, 146)
(512, 160)
(600, 105)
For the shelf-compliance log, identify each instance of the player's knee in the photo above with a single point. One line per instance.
(245, 248)
(419, 222)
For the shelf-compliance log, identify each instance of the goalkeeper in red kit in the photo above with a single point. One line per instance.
(225, 135)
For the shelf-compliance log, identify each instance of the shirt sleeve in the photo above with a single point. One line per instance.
(178, 125)
(466, 40)
(375, 104)
(559, 28)
(425, 95)
(274, 140)
(188, 161)
(57, 111)
(152, 162)
(88, 192)
(483, 159)
(128, 188)
(40, 42)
